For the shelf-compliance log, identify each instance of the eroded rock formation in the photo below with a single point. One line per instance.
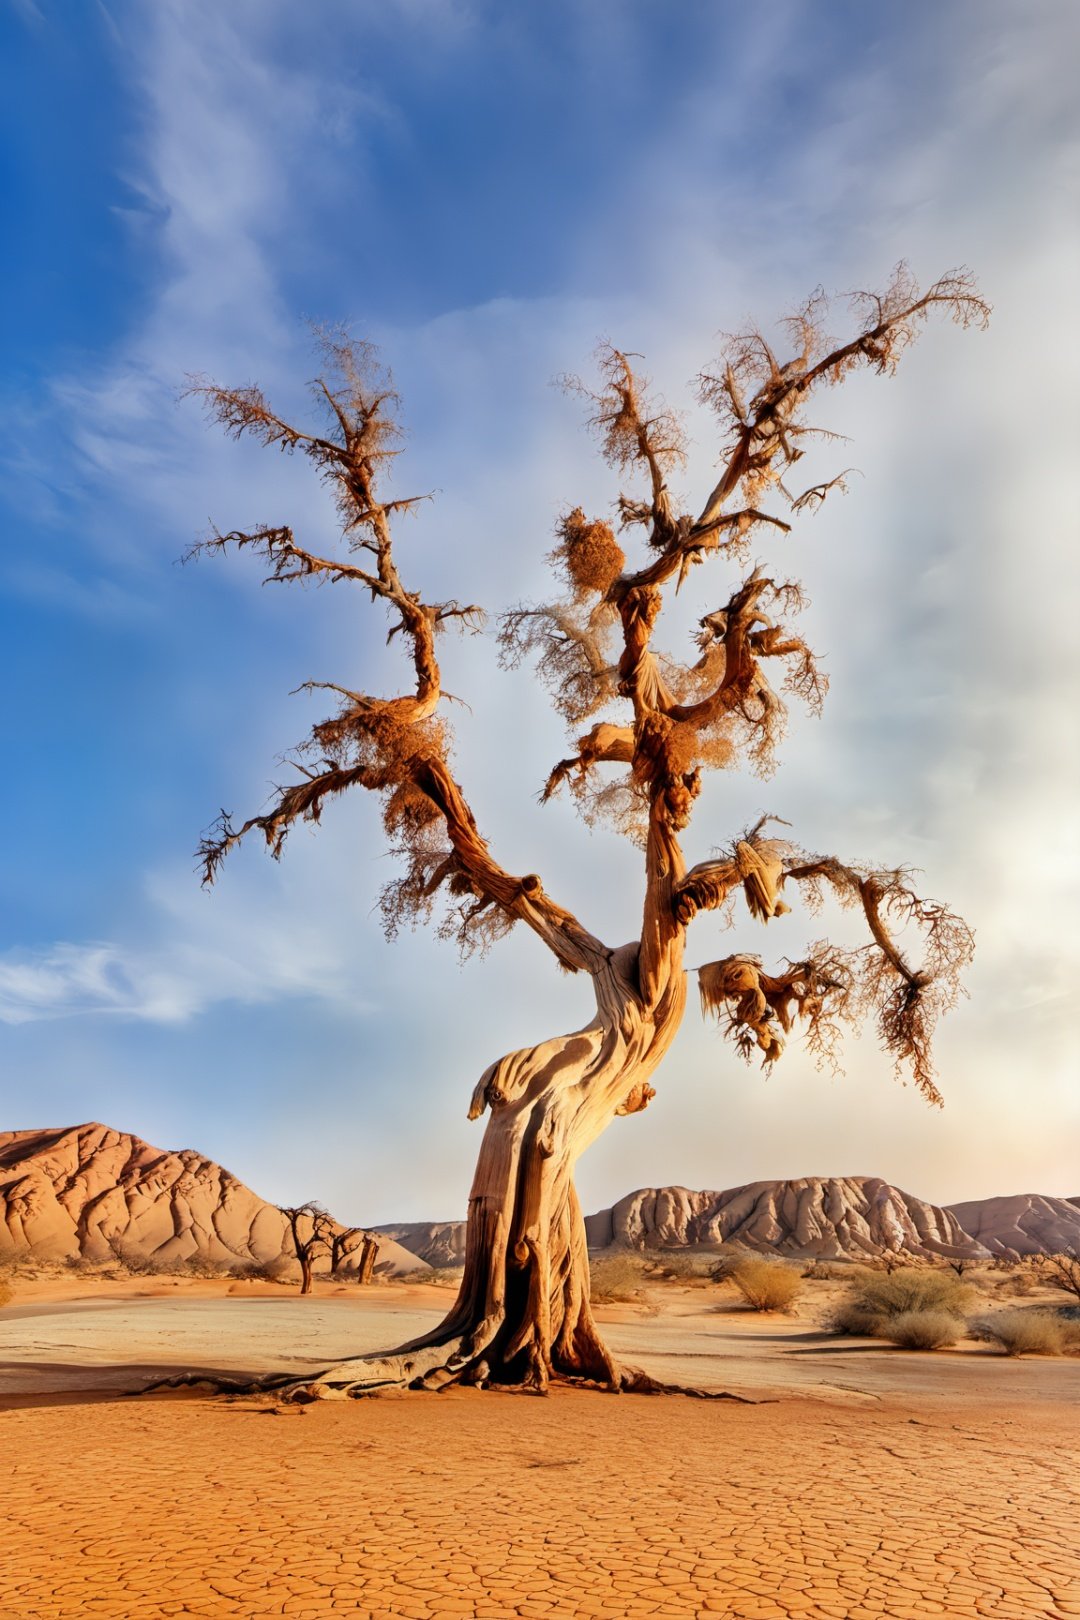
(440, 1243)
(837, 1217)
(1026, 1223)
(826, 1216)
(91, 1192)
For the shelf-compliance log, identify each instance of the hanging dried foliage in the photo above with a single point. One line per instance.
(659, 722)
(589, 554)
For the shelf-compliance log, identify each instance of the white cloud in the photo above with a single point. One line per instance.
(941, 586)
(247, 947)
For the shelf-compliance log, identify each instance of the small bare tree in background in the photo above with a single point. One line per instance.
(1061, 1270)
(345, 1243)
(312, 1233)
(648, 724)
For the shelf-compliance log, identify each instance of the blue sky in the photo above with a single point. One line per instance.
(486, 190)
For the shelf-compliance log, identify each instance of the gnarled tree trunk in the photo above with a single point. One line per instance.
(522, 1313)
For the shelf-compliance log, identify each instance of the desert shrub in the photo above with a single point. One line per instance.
(1020, 1283)
(767, 1285)
(18, 1263)
(276, 1270)
(79, 1264)
(132, 1260)
(677, 1265)
(876, 1297)
(441, 1276)
(922, 1330)
(201, 1265)
(1023, 1333)
(616, 1276)
(1069, 1317)
(732, 1256)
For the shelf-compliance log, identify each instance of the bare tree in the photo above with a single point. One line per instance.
(1061, 1270)
(346, 1242)
(312, 1232)
(654, 725)
(369, 1253)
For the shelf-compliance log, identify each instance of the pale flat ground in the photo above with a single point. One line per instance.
(869, 1484)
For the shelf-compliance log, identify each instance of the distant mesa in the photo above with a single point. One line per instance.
(91, 1192)
(838, 1217)
(88, 1192)
(439, 1243)
(828, 1218)
(1027, 1223)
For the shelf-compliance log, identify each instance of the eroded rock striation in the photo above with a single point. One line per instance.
(1025, 1223)
(440, 1243)
(831, 1217)
(91, 1192)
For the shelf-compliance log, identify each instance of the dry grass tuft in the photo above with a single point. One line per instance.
(680, 1266)
(767, 1285)
(1024, 1332)
(440, 1276)
(7, 1293)
(922, 1330)
(877, 1298)
(616, 1277)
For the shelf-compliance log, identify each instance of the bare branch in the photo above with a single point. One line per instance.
(764, 433)
(635, 432)
(394, 746)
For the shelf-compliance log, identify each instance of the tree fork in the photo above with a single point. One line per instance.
(522, 1316)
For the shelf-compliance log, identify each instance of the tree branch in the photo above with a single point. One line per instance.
(393, 746)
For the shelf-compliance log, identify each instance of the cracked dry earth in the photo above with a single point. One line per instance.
(488, 1506)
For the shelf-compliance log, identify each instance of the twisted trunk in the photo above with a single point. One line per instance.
(522, 1313)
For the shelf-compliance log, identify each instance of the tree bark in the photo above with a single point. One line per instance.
(366, 1265)
(522, 1314)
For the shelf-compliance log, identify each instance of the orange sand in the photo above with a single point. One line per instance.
(491, 1506)
(884, 1486)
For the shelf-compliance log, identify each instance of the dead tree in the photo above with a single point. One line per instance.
(648, 724)
(369, 1253)
(1061, 1270)
(345, 1243)
(312, 1232)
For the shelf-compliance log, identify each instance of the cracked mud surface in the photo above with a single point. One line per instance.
(881, 1500)
(493, 1506)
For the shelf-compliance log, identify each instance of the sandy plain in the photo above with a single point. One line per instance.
(852, 1482)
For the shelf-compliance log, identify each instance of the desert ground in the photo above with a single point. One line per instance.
(849, 1481)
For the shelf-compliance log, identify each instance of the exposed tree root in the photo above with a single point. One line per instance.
(374, 1375)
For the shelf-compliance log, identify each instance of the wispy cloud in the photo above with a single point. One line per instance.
(199, 959)
(66, 980)
(946, 741)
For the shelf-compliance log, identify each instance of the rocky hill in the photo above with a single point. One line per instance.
(1026, 1223)
(440, 1243)
(92, 1192)
(829, 1217)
